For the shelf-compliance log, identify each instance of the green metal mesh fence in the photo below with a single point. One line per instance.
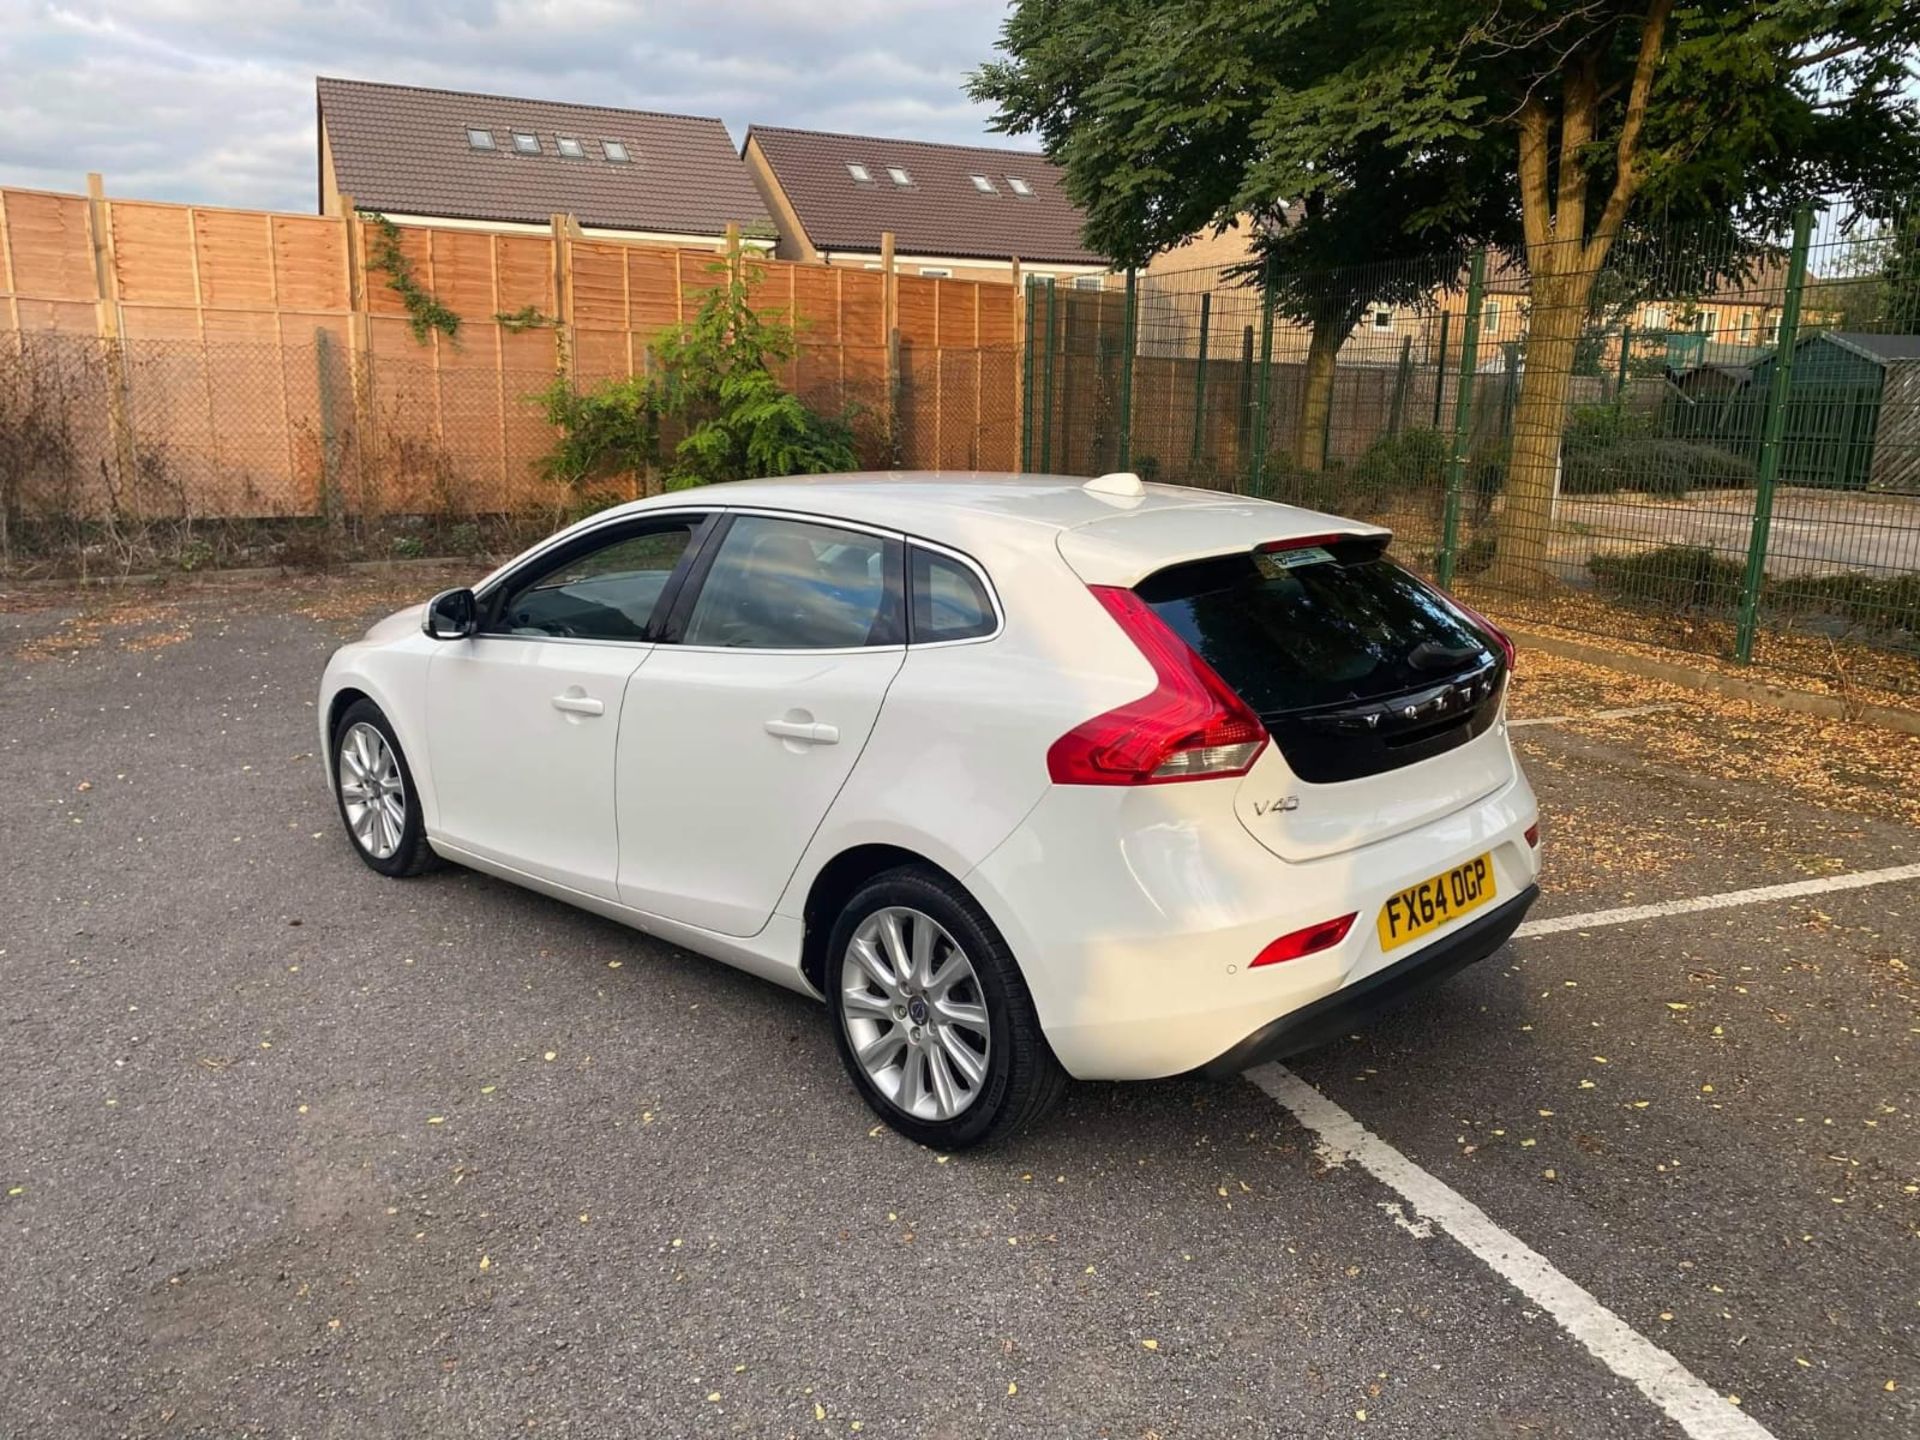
(1695, 445)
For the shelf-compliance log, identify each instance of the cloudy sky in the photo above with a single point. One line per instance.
(212, 100)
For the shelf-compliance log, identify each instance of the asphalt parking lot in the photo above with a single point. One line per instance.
(287, 1149)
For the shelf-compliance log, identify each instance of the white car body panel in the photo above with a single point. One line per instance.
(520, 780)
(1134, 912)
(715, 811)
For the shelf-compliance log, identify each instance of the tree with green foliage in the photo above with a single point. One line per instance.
(1567, 119)
(714, 381)
(1160, 136)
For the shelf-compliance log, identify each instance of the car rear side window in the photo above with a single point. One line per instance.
(1322, 625)
(793, 585)
(949, 602)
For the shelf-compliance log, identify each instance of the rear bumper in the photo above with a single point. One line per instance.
(1334, 1015)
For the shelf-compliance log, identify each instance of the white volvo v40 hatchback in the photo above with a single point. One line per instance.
(1027, 777)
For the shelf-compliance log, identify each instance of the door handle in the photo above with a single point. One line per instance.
(806, 731)
(579, 705)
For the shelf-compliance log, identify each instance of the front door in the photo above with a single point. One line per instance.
(735, 740)
(523, 717)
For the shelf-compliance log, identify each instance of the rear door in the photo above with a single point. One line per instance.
(736, 737)
(1382, 696)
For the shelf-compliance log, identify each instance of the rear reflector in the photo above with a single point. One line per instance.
(1533, 835)
(1313, 939)
(1190, 726)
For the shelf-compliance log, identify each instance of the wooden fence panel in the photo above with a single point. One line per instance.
(51, 255)
(251, 378)
(153, 253)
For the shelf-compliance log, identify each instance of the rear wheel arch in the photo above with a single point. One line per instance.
(836, 883)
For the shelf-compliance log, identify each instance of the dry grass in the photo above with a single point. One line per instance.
(1797, 659)
(1837, 764)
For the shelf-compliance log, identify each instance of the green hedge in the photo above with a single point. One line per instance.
(1696, 579)
(1653, 466)
(1675, 577)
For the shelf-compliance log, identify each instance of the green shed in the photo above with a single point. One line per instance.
(1843, 383)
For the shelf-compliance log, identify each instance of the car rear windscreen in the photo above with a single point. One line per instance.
(1314, 626)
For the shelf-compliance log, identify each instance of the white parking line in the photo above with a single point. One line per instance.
(1691, 1405)
(1726, 900)
(1626, 714)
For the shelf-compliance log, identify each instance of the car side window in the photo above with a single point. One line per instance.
(949, 602)
(603, 592)
(794, 585)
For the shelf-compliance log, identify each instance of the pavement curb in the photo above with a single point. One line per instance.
(1738, 687)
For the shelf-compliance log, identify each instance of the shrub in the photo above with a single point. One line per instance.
(716, 377)
(1594, 427)
(1654, 466)
(607, 435)
(1675, 577)
(1412, 460)
(715, 381)
(1310, 489)
(1868, 602)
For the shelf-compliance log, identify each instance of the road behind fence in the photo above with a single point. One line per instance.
(1703, 448)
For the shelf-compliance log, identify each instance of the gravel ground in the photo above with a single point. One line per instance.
(290, 1150)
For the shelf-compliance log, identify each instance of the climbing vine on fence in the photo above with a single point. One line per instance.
(425, 313)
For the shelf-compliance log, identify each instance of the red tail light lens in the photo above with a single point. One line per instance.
(1310, 941)
(1191, 726)
(1500, 637)
(1533, 835)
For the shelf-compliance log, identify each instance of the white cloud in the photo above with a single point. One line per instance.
(212, 100)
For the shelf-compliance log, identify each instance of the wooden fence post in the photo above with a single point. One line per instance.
(1021, 343)
(890, 334)
(360, 352)
(107, 327)
(563, 226)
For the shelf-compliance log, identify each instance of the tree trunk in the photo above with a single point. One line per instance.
(1559, 314)
(1316, 392)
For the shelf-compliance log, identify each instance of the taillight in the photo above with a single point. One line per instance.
(1533, 835)
(1310, 941)
(1191, 726)
(1500, 637)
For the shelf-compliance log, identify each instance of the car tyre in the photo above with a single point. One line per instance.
(369, 771)
(980, 1031)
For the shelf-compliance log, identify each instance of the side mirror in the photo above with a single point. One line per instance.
(451, 615)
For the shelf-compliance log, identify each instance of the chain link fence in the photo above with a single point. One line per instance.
(135, 456)
(1710, 448)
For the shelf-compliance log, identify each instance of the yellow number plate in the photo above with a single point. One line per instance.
(1421, 909)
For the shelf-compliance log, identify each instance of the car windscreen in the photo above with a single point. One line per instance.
(1309, 626)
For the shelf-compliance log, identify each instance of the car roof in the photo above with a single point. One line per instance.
(1109, 537)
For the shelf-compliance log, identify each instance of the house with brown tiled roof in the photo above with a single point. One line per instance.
(966, 211)
(461, 160)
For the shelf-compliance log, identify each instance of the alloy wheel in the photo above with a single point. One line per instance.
(371, 791)
(915, 1016)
